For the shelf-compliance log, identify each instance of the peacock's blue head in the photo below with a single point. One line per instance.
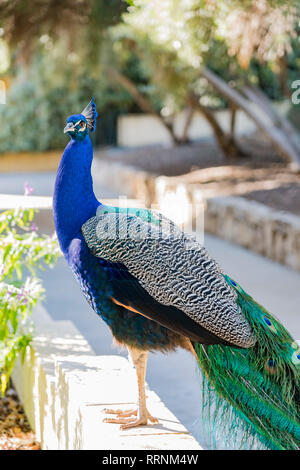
(78, 125)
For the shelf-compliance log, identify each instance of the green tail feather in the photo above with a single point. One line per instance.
(258, 388)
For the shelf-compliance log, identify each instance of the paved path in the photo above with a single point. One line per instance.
(42, 182)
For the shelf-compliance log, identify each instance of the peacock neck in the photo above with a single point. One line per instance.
(74, 201)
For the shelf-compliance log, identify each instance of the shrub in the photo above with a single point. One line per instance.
(40, 100)
(22, 251)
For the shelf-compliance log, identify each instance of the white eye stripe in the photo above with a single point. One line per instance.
(81, 128)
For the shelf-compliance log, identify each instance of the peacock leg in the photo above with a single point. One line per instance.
(139, 359)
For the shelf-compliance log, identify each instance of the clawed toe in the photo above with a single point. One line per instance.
(119, 420)
(152, 419)
(120, 413)
(133, 423)
(126, 421)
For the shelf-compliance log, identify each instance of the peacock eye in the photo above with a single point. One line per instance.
(270, 324)
(82, 124)
(271, 366)
(296, 357)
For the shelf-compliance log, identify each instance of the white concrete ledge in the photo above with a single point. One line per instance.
(42, 204)
(11, 201)
(64, 388)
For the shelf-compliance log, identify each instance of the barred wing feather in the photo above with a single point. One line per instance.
(172, 267)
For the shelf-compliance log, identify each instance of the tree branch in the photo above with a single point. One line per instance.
(227, 144)
(277, 136)
(140, 99)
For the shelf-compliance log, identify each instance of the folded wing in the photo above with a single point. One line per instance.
(172, 267)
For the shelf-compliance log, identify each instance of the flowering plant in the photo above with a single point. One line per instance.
(22, 251)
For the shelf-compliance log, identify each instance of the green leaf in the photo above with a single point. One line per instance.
(6, 252)
(18, 269)
(31, 215)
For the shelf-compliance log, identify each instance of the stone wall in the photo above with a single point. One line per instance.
(257, 227)
(248, 223)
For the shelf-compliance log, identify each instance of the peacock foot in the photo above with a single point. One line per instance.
(126, 419)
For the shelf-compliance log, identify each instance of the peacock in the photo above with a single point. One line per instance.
(158, 289)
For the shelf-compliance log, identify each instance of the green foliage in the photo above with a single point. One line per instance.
(187, 27)
(173, 40)
(160, 45)
(22, 251)
(294, 56)
(55, 86)
(22, 22)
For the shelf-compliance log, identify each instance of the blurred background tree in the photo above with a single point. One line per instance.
(207, 54)
(153, 56)
(54, 54)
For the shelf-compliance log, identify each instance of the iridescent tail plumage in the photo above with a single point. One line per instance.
(256, 389)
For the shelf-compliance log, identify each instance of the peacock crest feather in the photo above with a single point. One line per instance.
(261, 383)
(90, 114)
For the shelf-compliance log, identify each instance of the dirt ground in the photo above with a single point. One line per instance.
(15, 432)
(262, 175)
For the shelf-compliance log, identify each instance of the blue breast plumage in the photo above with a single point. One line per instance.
(97, 277)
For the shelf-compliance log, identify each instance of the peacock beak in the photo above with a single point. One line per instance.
(69, 127)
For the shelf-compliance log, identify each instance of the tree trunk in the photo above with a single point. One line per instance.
(232, 121)
(283, 76)
(277, 136)
(260, 98)
(189, 116)
(140, 99)
(226, 142)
